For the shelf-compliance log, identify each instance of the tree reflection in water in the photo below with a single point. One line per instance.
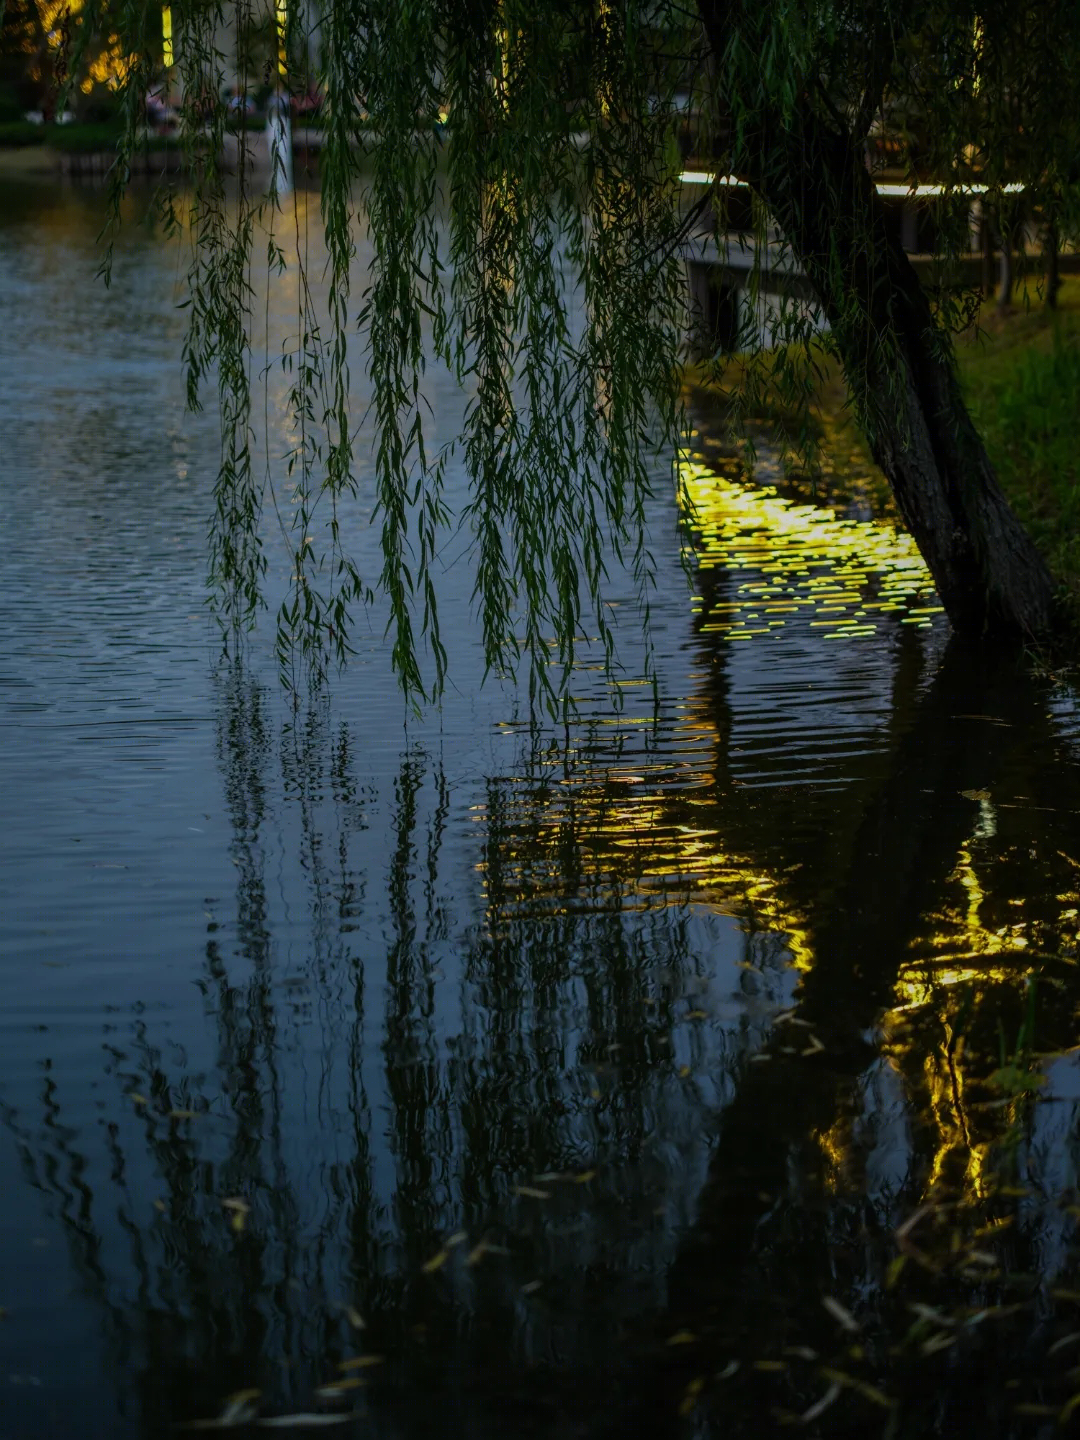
(571, 1112)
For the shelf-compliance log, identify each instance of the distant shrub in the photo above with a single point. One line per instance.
(15, 134)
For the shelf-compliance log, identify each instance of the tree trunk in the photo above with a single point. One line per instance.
(1053, 273)
(898, 362)
(1005, 270)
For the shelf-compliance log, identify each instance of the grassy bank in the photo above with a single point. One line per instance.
(1021, 378)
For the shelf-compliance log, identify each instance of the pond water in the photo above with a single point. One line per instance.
(698, 1067)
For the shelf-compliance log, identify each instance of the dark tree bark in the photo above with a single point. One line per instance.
(811, 175)
(1053, 274)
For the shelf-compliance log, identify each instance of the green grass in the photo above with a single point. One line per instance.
(1021, 378)
(15, 134)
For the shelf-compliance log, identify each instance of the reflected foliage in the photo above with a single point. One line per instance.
(677, 1078)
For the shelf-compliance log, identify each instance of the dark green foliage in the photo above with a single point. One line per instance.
(560, 304)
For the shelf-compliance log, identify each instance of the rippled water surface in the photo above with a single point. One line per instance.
(697, 1067)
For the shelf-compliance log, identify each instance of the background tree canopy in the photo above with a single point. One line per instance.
(553, 135)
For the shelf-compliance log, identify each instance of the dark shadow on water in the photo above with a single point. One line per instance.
(521, 1138)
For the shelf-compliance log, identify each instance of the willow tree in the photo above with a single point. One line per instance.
(553, 133)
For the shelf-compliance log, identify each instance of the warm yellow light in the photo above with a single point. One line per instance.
(281, 10)
(166, 36)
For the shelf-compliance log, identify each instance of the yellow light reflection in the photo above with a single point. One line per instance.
(168, 60)
(802, 562)
(281, 11)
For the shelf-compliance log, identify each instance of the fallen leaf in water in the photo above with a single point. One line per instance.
(338, 1387)
(477, 1253)
(684, 1071)
(361, 1362)
(355, 1319)
(728, 1371)
(436, 1262)
(975, 794)
(183, 1114)
(892, 1274)
(458, 1238)
(682, 1337)
(770, 1366)
(697, 1015)
(832, 1394)
(136, 1098)
(850, 1382)
(308, 1419)
(691, 1395)
(531, 1192)
(584, 1177)
(841, 1314)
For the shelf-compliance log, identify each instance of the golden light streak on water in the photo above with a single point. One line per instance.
(803, 564)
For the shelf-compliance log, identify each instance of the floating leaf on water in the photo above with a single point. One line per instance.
(458, 1238)
(531, 1192)
(355, 1319)
(814, 1048)
(728, 1371)
(238, 1204)
(936, 1343)
(333, 1388)
(477, 1253)
(832, 1394)
(902, 1231)
(892, 1274)
(684, 1071)
(851, 1382)
(183, 1114)
(1064, 1342)
(691, 1395)
(801, 1352)
(697, 1015)
(436, 1262)
(136, 1098)
(934, 1317)
(160, 1205)
(759, 1059)
(239, 1408)
(770, 1366)
(1069, 1409)
(994, 1227)
(549, 1176)
(361, 1362)
(584, 1177)
(975, 794)
(682, 1337)
(841, 1314)
(305, 1418)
